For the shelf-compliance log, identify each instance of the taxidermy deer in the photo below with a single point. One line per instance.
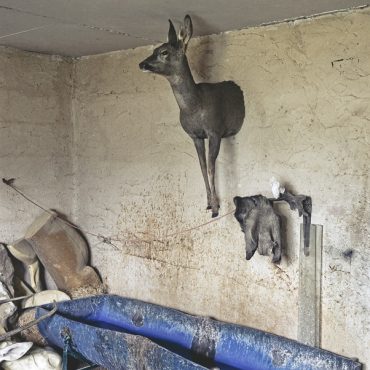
(207, 110)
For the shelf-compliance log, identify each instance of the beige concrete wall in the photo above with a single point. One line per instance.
(307, 90)
(35, 137)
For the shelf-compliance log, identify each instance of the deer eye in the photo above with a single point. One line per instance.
(164, 52)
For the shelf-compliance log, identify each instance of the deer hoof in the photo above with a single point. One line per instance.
(214, 214)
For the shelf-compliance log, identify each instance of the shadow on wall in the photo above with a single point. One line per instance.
(230, 166)
(204, 27)
(288, 219)
(204, 59)
(207, 52)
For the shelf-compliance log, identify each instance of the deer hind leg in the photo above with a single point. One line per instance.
(214, 148)
(201, 151)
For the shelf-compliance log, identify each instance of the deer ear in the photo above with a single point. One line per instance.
(172, 37)
(236, 201)
(186, 32)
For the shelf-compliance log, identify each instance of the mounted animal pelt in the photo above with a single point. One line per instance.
(261, 226)
(207, 110)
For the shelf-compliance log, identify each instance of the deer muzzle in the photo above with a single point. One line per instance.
(145, 66)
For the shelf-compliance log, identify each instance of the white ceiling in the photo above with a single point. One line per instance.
(84, 27)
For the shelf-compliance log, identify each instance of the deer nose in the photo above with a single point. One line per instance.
(143, 66)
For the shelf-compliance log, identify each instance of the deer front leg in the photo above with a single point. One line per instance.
(201, 151)
(214, 148)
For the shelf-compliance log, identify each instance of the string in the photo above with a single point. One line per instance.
(106, 239)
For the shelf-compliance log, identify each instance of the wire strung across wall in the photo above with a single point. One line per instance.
(107, 239)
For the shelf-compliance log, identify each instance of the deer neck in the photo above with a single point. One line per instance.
(184, 87)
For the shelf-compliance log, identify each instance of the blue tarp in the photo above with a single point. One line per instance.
(197, 339)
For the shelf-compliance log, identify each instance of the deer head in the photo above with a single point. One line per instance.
(168, 59)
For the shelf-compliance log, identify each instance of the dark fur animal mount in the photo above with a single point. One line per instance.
(303, 204)
(207, 110)
(261, 225)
